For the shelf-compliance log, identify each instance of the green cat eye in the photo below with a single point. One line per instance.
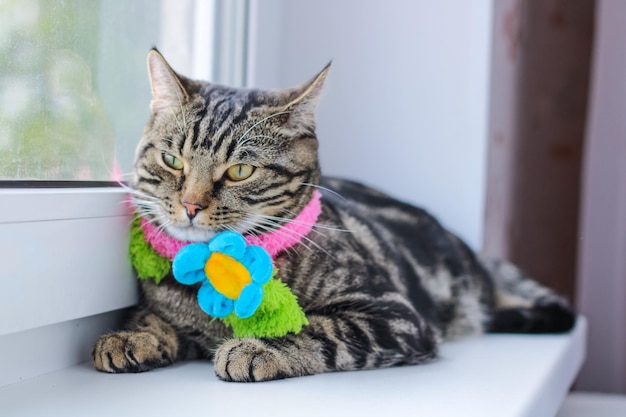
(240, 172)
(172, 162)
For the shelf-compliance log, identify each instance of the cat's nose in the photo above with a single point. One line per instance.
(192, 209)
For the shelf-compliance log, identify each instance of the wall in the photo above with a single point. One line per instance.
(405, 107)
(602, 249)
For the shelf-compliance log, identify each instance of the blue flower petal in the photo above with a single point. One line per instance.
(259, 263)
(229, 243)
(188, 264)
(214, 303)
(189, 268)
(249, 300)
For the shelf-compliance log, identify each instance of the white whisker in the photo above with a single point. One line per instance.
(259, 122)
(294, 221)
(306, 184)
(268, 229)
(169, 141)
(243, 142)
(271, 225)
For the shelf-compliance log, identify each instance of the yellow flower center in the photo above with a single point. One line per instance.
(227, 275)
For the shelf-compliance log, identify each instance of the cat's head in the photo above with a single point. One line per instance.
(215, 158)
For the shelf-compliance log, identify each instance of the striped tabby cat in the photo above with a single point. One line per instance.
(382, 283)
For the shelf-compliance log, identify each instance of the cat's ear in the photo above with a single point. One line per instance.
(301, 101)
(167, 89)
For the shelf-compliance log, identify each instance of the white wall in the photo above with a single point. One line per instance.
(602, 250)
(503, 126)
(405, 107)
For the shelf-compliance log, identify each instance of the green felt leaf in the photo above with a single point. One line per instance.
(278, 314)
(146, 261)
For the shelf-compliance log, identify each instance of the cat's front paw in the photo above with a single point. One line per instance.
(131, 351)
(250, 360)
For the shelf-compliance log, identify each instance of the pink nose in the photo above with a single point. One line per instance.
(192, 209)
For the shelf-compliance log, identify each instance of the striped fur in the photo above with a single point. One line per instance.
(382, 282)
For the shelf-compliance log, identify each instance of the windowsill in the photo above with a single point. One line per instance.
(22, 205)
(64, 254)
(495, 375)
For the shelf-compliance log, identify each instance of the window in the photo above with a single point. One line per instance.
(74, 92)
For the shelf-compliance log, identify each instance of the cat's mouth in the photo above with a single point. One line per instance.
(190, 233)
(198, 234)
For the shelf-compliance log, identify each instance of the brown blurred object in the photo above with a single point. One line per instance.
(541, 64)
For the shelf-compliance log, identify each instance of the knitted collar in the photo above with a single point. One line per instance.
(273, 242)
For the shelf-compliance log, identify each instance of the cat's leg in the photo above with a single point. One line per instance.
(522, 305)
(340, 337)
(148, 343)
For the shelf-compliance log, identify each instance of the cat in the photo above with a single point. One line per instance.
(382, 283)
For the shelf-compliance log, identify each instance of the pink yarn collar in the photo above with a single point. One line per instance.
(274, 242)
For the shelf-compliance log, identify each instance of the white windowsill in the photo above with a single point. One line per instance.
(21, 205)
(65, 275)
(65, 255)
(495, 375)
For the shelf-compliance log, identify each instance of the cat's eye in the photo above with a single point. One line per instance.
(172, 162)
(239, 172)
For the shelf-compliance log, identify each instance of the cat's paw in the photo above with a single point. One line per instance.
(250, 360)
(131, 351)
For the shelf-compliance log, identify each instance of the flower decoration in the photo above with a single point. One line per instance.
(232, 274)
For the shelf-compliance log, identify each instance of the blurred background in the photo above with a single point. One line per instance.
(505, 118)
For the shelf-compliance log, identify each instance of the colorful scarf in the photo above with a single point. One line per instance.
(236, 274)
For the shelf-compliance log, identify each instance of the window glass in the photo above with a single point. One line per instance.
(74, 92)
(72, 80)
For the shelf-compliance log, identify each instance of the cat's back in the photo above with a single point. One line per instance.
(395, 234)
(412, 251)
(378, 211)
